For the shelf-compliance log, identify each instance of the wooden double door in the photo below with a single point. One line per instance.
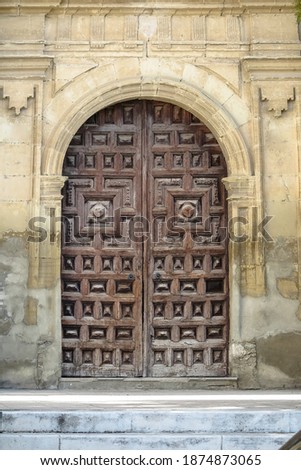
(144, 246)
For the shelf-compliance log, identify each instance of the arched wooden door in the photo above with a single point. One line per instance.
(144, 247)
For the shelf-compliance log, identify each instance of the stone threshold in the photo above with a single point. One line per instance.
(148, 384)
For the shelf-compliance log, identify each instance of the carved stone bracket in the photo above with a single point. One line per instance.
(278, 97)
(20, 78)
(18, 93)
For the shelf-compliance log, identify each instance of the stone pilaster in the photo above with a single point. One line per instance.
(46, 229)
(245, 233)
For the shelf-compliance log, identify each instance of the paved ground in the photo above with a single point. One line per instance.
(215, 400)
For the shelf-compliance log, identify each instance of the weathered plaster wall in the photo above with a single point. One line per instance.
(237, 67)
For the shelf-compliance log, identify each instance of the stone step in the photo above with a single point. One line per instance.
(193, 420)
(148, 384)
(133, 441)
(148, 429)
(152, 421)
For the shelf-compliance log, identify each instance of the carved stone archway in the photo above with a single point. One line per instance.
(194, 89)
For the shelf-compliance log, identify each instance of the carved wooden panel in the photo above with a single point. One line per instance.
(144, 250)
(187, 287)
(101, 265)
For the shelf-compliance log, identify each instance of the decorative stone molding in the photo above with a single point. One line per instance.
(261, 68)
(198, 31)
(18, 93)
(170, 84)
(28, 6)
(20, 77)
(240, 187)
(233, 29)
(97, 31)
(278, 97)
(164, 32)
(24, 67)
(278, 92)
(247, 246)
(244, 207)
(64, 26)
(46, 270)
(51, 189)
(130, 31)
(205, 7)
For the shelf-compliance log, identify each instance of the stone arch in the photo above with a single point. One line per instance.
(197, 90)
